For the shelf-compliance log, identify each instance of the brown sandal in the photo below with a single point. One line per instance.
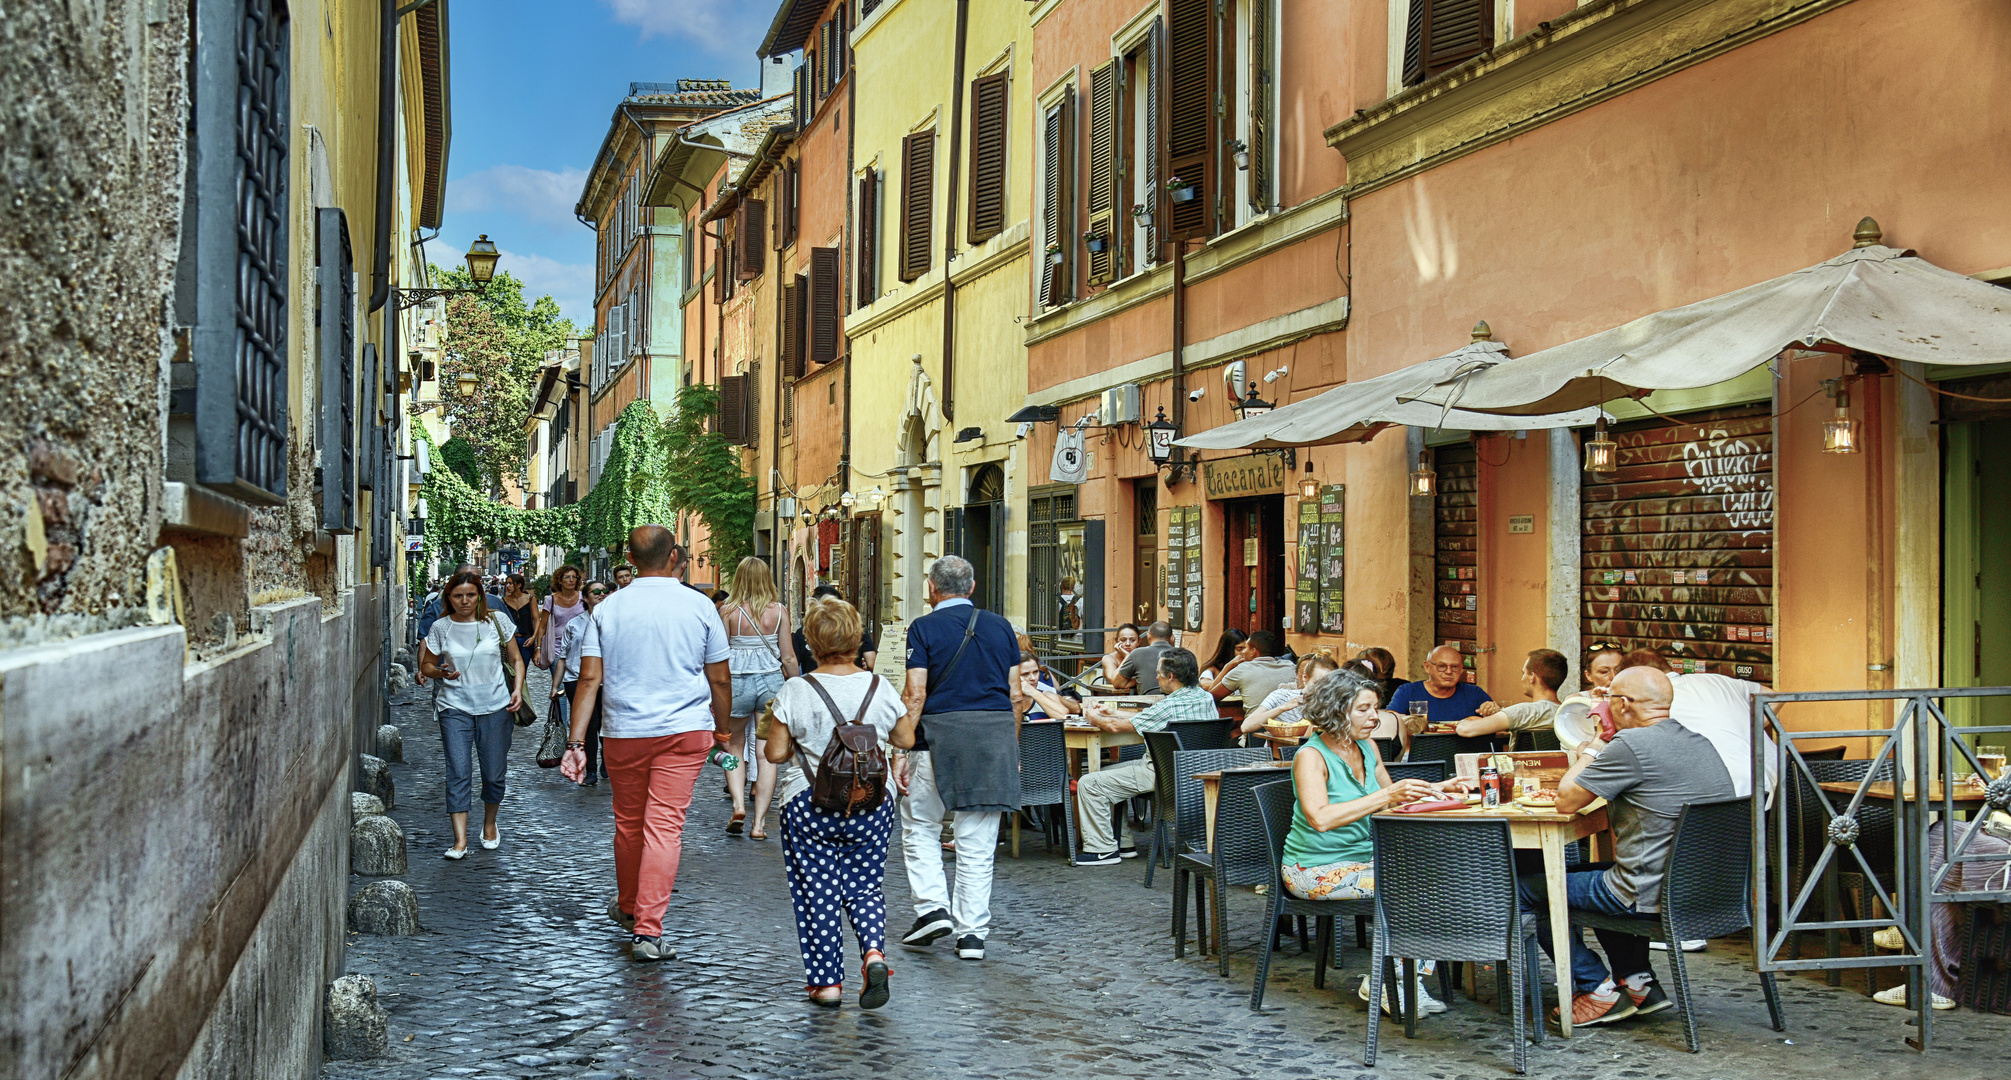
(733, 827)
(757, 833)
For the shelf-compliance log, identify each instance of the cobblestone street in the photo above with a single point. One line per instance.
(519, 974)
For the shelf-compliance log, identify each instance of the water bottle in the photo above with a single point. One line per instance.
(724, 760)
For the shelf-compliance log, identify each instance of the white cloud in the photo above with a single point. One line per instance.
(571, 284)
(540, 196)
(730, 28)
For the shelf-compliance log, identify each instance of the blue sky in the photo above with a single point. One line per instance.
(534, 87)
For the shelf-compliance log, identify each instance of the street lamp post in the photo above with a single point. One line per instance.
(481, 259)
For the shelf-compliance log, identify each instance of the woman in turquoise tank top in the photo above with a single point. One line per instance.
(1328, 853)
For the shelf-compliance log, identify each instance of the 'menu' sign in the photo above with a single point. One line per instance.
(1259, 474)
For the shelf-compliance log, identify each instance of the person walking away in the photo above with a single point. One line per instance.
(1543, 672)
(1098, 793)
(869, 643)
(1646, 774)
(521, 604)
(836, 861)
(566, 675)
(480, 679)
(963, 702)
(755, 622)
(656, 651)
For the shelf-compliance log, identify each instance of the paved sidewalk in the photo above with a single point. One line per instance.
(519, 974)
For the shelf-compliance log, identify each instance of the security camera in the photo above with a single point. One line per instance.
(1025, 428)
(1196, 394)
(1274, 376)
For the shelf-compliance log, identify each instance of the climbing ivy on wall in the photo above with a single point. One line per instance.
(703, 477)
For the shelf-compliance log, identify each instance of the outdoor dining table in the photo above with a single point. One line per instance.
(1211, 790)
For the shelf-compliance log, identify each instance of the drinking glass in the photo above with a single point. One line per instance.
(1992, 760)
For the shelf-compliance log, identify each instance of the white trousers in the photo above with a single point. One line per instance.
(977, 833)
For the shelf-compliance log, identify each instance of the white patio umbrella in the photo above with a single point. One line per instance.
(1356, 411)
(1874, 299)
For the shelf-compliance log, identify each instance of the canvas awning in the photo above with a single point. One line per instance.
(1884, 301)
(1356, 411)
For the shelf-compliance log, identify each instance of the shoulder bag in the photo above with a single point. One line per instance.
(851, 777)
(525, 715)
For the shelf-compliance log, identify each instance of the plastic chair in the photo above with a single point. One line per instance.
(1390, 749)
(1240, 855)
(1434, 748)
(1043, 780)
(1705, 894)
(1464, 908)
(1431, 772)
(1274, 801)
(1162, 745)
(1190, 835)
(1202, 734)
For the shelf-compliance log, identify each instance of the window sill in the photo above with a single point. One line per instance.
(191, 508)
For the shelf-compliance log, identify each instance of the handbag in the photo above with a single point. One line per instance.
(552, 746)
(526, 715)
(851, 777)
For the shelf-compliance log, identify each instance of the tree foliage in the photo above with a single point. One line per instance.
(702, 476)
(459, 455)
(503, 340)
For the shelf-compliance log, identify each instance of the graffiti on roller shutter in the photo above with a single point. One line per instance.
(1725, 467)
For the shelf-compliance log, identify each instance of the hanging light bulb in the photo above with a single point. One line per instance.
(1839, 434)
(848, 500)
(1309, 485)
(1423, 481)
(1602, 454)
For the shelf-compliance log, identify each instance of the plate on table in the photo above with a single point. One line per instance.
(1541, 799)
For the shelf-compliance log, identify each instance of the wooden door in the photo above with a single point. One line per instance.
(1254, 559)
(1145, 551)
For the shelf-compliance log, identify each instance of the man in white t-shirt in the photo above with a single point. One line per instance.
(1543, 672)
(654, 656)
(1720, 709)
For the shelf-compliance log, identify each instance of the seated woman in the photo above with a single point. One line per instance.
(1127, 640)
(1225, 651)
(1044, 702)
(1329, 854)
(1283, 704)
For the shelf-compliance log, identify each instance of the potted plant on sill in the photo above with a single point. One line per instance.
(1142, 214)
(1095, 242)
(1054, 253)
(1182, 191)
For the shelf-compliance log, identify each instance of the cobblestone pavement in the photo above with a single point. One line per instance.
(519, 974)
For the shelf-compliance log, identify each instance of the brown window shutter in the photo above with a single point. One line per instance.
(918, 174)
(719, 271)
(1191, 77)
(828, 54)
(1103, 173)
(1155, 66)
(989, 97)
(747, 237)
(799, 326)
(750, 406)
(1263, 45)
(793, 213)
(1443, 34)
(823, 305)
(1050, 204)
(732, 419)
(792, 346)
(866, 280)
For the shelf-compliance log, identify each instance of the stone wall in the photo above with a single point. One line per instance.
(174, 845)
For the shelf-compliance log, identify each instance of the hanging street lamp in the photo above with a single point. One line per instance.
(1423, 481)
(1602, 454)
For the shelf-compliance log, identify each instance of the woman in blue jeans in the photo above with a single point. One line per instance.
(473, 654)
(757, 626)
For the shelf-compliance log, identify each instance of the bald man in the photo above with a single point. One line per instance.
(1647, 774)
(1444, 690)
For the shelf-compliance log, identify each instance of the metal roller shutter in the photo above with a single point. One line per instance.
(1678, 549)
(1456, 541)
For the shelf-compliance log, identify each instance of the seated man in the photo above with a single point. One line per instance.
(1257, 670)
(1719, 708)
(1097, 792)
(1284, 703)
(1543, 671)
(1447, 695)
(1137, 668)
(1647, 774)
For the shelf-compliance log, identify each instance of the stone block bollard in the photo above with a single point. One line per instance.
(390, 745)
(376, 847)
(377, 780)
(353, 1027)
(397, 681)
(385, 907)
(362, 805)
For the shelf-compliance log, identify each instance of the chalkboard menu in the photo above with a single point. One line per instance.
(1306, 593)
(1320, 593)
(1183, 567)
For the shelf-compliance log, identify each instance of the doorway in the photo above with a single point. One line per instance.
(983, 534)
(1976, 565)
(1254, 558)
(1145, 582)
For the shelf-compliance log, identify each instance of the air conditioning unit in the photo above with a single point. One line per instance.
(1121, 405)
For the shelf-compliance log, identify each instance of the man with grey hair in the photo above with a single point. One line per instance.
(1098, 793)
(963, 696)
(1447, 696)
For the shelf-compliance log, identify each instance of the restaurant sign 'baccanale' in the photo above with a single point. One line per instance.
(1233, 478)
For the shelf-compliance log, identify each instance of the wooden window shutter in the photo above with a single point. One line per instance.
(799, 326)
(1263, 120)
(800, 87)
(823, 305)
(719, 271)
(1058, 202)
(1155, 66)
(1442, 34)
(732, 418)
(989, 98)
(1103, 173)
(866, 281)
(747, 238)
(750, 406)
(1191, 77)
(918, 182)
(792, 344)
(827, 51)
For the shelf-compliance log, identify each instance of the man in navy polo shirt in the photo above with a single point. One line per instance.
(963, 760)
(1444, 690)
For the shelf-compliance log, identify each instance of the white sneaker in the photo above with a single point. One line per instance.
(1689, 945)
(1426, 1004)
(1897, 996)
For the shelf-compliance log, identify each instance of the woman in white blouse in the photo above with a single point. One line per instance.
(474, 655)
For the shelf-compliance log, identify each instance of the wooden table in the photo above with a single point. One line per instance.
(1093, 742)
(1547, 831)
(1211, 789)
(1278, 742)
(1964, 797)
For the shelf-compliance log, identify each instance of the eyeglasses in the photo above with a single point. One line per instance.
(1445, 667)
(1622, 698)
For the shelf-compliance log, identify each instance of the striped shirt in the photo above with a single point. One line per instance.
(1186, 703)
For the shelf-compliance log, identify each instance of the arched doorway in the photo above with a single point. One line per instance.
(979, 533)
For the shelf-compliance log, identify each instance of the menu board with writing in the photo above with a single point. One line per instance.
(1333, 567)
(1306, 593)
(1191, 568)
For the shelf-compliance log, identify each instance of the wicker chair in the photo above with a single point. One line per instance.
(1190, 835)
(1390, 749)
(1843, 887)
(1434, 748)
(1274, 806)
(1162, 745)
(1203, 734)
(1453, 909)
(1043, 781)
(1541, 739)
(1240, 855)
(1431, 772)
(1705, 894)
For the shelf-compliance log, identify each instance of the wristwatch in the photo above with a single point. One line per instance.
(1592, 752)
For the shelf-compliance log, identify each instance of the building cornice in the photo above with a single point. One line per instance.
(995, 253)
(1273, 333)
(1593, 54)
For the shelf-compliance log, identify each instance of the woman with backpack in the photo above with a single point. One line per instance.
(830, 735)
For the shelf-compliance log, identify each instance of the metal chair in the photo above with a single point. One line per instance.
(1705, 894)
(1275, 800)
(1043, 780)
(1431, 772)
(1203, 734)
(1452, 909)
(1190, 835)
